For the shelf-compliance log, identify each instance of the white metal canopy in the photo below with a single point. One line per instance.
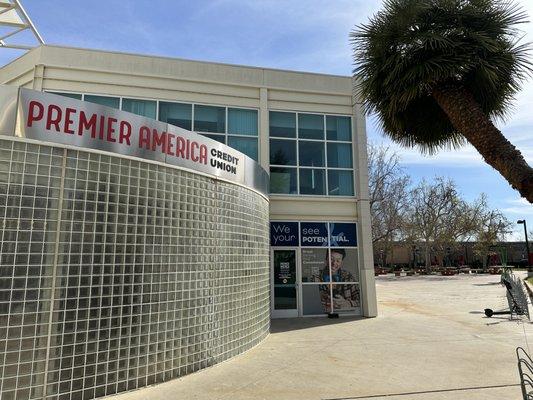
(13, 21)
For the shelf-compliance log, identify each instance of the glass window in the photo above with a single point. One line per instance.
(282, 124)
(343, 266)
(285, 298)
(311, 154)
(284, 267)
(113, 102)
(282, 152)
(345, 297)
(283, 180)
(340, 155)
(245, 145)
(311, 126)
(322, 274)
(313, 262)
(242, 122)
(316, 299)
(71, 95)
(351, 265)
(209, 119)
(177, 114)
(218, 138)
(338, 128)
(340, 183)
(313, 150)
(312, 181)
(145, 108)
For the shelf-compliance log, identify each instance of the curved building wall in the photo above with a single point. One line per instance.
(117, 273)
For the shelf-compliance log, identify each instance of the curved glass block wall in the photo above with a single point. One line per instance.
(117, 273)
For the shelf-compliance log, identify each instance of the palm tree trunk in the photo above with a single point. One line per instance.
(469, 119)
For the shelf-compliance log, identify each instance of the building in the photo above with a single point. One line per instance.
(146, 268)
(471, 254)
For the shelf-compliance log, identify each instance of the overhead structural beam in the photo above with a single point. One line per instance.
(15, 46)
(30, 22)
(14, 17)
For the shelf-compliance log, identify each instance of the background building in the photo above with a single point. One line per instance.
(472, 254)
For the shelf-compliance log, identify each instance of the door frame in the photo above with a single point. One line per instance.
(292, 313)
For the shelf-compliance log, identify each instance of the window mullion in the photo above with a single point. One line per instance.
(297, 156)
(226, 124)
(325, 157)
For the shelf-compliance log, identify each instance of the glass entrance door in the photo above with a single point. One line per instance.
(285, 283)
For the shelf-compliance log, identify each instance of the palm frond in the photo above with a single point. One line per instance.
(411, 47)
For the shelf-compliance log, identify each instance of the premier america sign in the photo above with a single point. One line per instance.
(52, 118)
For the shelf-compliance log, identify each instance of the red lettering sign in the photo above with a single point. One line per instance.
(69, 120)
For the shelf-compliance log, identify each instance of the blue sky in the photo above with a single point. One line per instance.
(306, 35)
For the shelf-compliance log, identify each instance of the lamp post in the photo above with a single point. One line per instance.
(523, 222)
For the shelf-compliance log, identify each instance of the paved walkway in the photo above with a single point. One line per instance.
(431, 341)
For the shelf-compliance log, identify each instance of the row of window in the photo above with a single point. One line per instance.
(236, 127)
(310, 154)
(311, 181)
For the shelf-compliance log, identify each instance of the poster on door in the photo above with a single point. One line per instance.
(284, 274)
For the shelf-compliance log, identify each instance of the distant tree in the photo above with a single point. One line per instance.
(435, 216)
(388, 186)
(492, 228)
(437, 72)
(459, 225)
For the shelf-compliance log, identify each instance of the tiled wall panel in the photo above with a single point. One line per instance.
(117, 274)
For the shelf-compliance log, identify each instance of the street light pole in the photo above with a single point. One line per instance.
(523, 222)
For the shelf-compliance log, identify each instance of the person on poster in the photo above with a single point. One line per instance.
(344, 296)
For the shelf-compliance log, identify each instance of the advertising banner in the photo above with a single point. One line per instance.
(284, 234)
(314, 234)
(342, 234)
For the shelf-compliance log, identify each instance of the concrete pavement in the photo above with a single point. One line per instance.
(431, 341)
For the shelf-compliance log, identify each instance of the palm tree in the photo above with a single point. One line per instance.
(437, 72)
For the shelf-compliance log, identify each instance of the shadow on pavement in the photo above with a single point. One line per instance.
(487, 284)
(293, 324)
(425, 392)
(437, 278)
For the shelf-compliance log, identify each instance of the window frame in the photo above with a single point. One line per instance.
(325, 168)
